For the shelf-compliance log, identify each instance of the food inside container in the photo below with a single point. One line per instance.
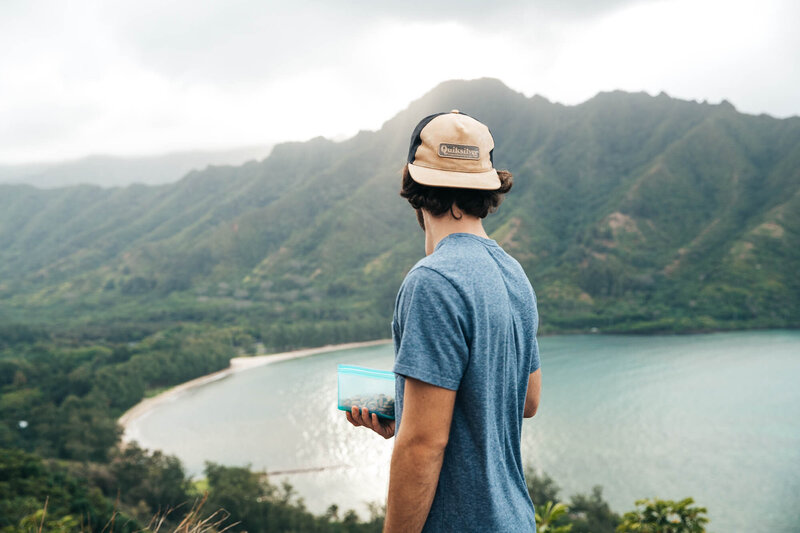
(366, 387)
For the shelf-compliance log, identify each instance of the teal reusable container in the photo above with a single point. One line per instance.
(366, 387)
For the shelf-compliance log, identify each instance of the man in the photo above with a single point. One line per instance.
(466, 354)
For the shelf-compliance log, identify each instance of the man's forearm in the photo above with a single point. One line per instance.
(413, 477)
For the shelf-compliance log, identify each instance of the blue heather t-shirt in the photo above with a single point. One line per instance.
(465, 319)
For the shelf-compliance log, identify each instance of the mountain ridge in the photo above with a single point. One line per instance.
(119, 171)
(624, 212)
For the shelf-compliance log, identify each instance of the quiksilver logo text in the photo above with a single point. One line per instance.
(459, 151)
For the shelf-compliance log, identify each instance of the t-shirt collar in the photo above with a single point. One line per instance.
(478, 238)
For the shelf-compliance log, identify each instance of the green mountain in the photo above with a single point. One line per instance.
(629, 213)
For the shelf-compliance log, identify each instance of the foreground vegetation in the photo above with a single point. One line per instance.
(141, 491)
(62, 466)
(136, 490)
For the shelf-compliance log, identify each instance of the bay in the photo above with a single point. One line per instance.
(713, 416)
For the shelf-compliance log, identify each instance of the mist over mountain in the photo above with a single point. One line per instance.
(115, 171)
(629, 212)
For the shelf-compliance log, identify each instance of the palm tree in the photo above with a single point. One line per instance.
(546, 519)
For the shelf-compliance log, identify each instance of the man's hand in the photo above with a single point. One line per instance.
(384, 428)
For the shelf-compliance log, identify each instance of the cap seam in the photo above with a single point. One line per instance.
(458, 171)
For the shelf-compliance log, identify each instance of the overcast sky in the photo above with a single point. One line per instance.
(149, 76)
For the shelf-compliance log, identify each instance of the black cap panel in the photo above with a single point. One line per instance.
(416, 140)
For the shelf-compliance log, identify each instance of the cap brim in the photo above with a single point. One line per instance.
(488, 180)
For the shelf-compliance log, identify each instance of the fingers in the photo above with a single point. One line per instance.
(383, 429)
(362, 417)
(366, 419)
(389, 429)
(377, 425)
(354, 416)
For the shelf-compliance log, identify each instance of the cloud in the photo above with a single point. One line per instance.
(146, 76)
(705, 50)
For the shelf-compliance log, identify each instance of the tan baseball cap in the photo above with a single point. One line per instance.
(452, 150)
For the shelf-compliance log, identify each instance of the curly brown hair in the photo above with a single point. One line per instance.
(439, 200)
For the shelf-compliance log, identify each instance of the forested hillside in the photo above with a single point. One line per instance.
(629, 213)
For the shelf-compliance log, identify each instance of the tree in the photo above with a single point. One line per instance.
(549, 515)
(591, 513)
(541, 488)
(664, 516)
(155, 478)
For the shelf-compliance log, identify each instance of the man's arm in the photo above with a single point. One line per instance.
(418, 454)
(534, 391)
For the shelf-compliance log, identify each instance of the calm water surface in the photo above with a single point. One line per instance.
(715, 417)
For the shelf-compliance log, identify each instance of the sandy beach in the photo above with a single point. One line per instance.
(237, 364)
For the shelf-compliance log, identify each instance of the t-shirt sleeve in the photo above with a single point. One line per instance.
(535, 362)
(431, 330)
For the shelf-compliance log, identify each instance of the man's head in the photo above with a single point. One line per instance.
(450, 163)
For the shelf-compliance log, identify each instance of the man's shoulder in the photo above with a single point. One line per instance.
(444, 267)
(427, 285)
(428, 273)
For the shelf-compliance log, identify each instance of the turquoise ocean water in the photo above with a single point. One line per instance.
(715, 417)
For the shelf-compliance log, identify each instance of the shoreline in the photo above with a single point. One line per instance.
(237, 364)
(242, 363)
